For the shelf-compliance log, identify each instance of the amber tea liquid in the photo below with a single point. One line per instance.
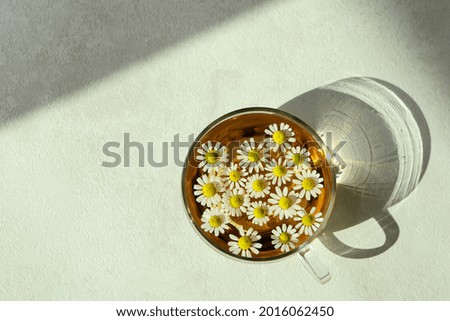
(232, 132)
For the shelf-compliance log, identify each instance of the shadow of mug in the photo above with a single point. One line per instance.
(381, 142)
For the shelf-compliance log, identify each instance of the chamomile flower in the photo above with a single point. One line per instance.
(214, 221)
(257, 186)
(235, 202)
(284, 204)
(258, 212)
(252, 156)
(234, 177)
(208, 189)
(279, 173)
(308, 183)
(280, 137)
(298, 158)
(212, 157)
(284, 237)
(309, 223)
(245, 243)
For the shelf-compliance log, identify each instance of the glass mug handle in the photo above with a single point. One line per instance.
(313, 264)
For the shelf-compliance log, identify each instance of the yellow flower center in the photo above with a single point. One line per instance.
(236, 201)
(308, 220)
(212, 156)
(279, 137)
(308, 184)
(297, 158)
(209, 190)
(260, 212)
(258, 185)
(245, 242)
(279, 171)
(285, 237)
(253, 156)
(235, 176)
(285, 202)
(215, 221)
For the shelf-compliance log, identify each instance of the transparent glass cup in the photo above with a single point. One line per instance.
(232, 130)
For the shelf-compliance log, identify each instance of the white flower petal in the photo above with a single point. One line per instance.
(302, 193)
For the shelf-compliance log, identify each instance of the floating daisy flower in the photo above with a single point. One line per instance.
(212, 157)
(245, 243)
(208, 189)
(257, 186)
(298, 158)
(278, 172)
(284, 237)
(309, 223)
(280, 138)
(284, 204)
(214, 221)
(258, 212)
(308, 183)
(234, 177)
(252, 156)
(235, 202)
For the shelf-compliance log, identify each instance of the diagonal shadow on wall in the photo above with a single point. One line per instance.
(51, 48)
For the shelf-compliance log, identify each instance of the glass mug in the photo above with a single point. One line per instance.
(259, 185)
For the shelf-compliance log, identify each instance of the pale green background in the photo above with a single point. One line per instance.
(74, 75)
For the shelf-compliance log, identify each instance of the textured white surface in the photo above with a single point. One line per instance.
(72, 229)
